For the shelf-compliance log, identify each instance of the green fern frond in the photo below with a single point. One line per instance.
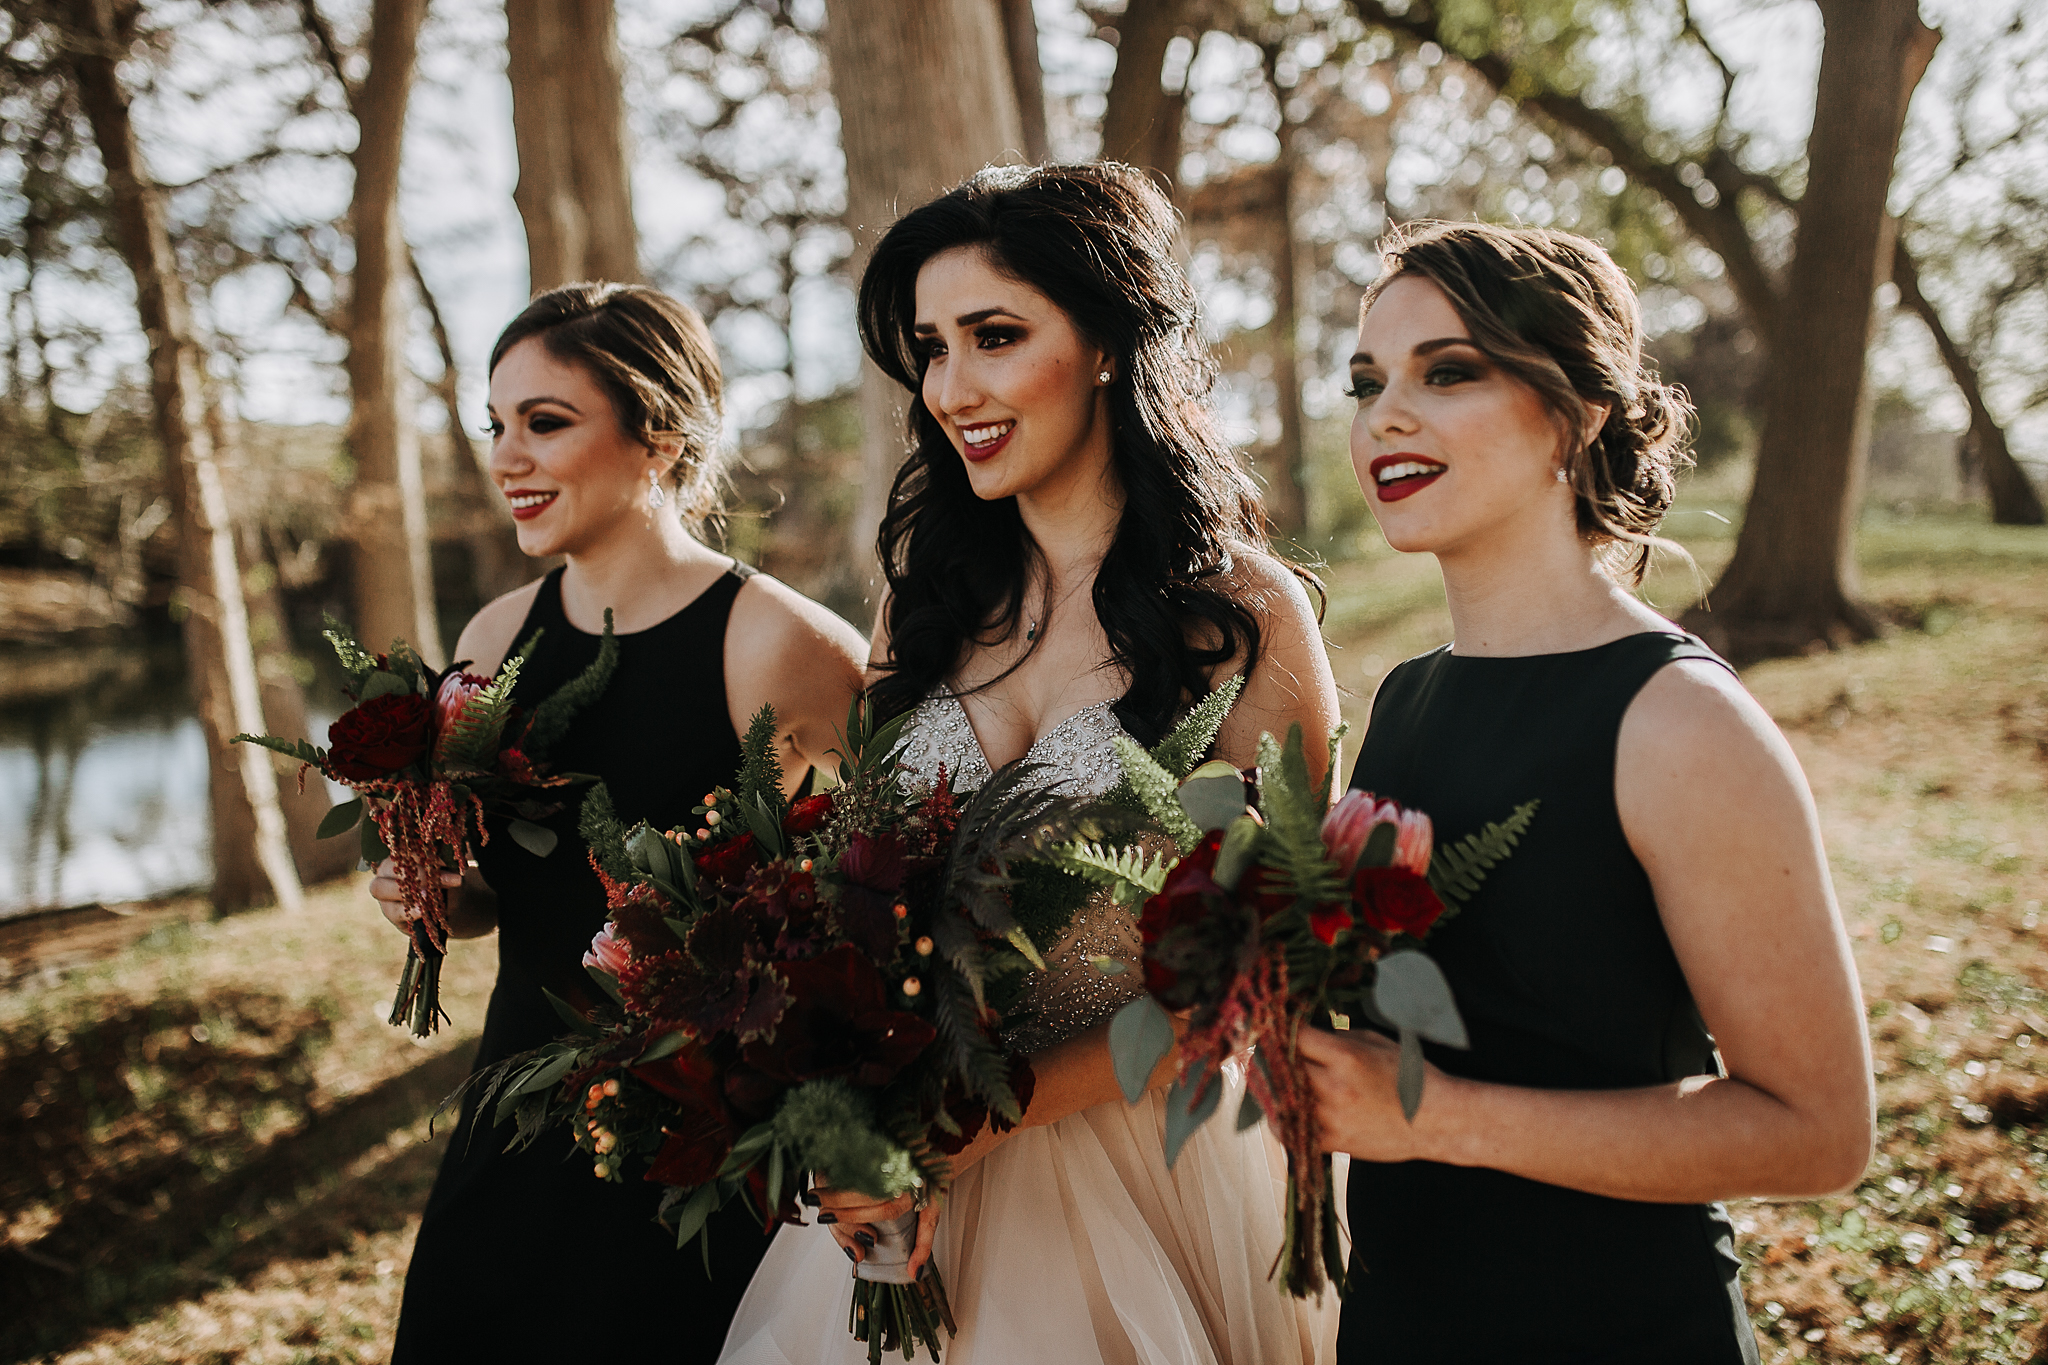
(472, 741)
(1154, 788)
(356, 661)
(551, 718)
(605, 834)
(1118, 868)
(983, 1069)
(1293, 840)
(1456, 870)
(1182, 749)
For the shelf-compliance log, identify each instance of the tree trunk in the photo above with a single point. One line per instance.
(575, 192)
(1027, 77)
(901, 68)
(1134, 124)
(1791, 585)
(1286, 459)
(2014, 499)
(218, 654)
(392, 564)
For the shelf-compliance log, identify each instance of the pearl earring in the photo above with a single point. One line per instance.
(1102, 378)
(656, 498)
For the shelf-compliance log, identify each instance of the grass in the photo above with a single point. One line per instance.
(215, 1149)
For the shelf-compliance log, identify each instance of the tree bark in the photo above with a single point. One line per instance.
(1135, 122)
(901, 68)
(392, 562)
(1287, 478)
(2014, 499)
(218, 654)
(575, 192)
(1027, 77)
(1791, 585)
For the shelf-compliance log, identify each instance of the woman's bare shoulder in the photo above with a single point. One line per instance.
(490, 634)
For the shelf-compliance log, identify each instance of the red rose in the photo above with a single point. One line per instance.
(1328, 921)
(701, 1133)
(839, 1024)
(1395, 900)
(1188, 893)
(730, 861)
(379, 738)
(809, 813)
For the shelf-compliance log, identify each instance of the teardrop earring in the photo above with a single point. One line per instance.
(656, 498)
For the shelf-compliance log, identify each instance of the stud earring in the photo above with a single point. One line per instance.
(1561, 474)
(1102, 378)
(656, 498)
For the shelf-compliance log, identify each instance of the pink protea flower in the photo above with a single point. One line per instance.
(1350, 824)
(454, 694)
(608, 953)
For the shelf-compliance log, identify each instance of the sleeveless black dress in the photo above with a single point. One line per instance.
(526, 1255)
(1566, 980)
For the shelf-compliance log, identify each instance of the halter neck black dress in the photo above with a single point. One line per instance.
(526, 1255)
(1566, 980)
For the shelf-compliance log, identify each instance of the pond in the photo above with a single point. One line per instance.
(103, 779)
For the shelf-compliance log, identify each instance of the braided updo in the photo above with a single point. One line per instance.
(1555, 311)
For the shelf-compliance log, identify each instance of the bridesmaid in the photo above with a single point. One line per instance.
(605, 419)
(1662, 1006)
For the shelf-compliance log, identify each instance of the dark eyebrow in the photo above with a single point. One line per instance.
(528, 404)
(968, 320)
(1422, 348)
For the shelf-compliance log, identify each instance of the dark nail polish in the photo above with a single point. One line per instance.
(866, 1240)
(810, 1197)
(828, 1217)
(850, 1256)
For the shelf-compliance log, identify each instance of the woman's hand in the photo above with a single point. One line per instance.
(472, 905)
(851, 1216)
(1354, 1075)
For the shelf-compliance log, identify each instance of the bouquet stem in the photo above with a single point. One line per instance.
(419, 986)
(900, 1317)
(1311, 1250)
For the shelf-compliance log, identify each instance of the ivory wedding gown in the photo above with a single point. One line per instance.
(1072, 1242)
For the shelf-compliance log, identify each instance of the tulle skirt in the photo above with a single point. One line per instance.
(1074, 1243)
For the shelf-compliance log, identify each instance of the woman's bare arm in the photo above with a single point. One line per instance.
(1292, 682)
(783, 649)
(1716, 808)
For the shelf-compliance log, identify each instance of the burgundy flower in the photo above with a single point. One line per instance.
(731, 861)
(516, 766)
(970, 1114)
(608, 952)
(809, 813)
(449, 700)
(839, 1024)
(874, 861)
(701, 1133)
(1188, 895)
(379, 738)
(1395, 900)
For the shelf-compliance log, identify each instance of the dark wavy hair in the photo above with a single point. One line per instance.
(655, 360)
(1554, 310)
(1097, 240)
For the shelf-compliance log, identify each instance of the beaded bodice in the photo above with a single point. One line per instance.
(1072, 993)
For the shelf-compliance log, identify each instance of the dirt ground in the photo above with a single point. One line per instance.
(213, 1149)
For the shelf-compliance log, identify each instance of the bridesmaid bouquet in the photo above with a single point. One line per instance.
(796, 988)
(428, 753)
(1282, 910)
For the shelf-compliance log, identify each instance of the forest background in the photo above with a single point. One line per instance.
(253, 253)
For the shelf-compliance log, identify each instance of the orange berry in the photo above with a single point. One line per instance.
(924, 947)
(911, 985)
(611, 1087)
(902, 910)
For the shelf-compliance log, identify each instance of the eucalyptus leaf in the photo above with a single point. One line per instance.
(649, 852)
(1190, 1102)
(1408, 1081)
(373, 848)
(1140, 1034)
(1212, 802)
(1411, 992)
(340, 819)
(1234, 858)
(383, 684)
(1248, 1112)
(538, 840)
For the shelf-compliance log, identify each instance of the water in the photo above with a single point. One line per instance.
(103, 778)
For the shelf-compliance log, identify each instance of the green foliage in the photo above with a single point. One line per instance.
(867, 745)
(830, 1126)
(981, 1064)
(290, 748)
(356, 661)
(1130, 873)
(1456, 870)
(1293, 840)
(1191, 738)
(1154, 789)
(599, 824)
(1044, 899)
(552, 717)
(472, 741)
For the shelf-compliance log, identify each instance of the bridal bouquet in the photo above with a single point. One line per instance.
(428, 753)
(1282, 910)
(807, 987)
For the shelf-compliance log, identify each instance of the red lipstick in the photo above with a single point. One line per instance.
(531, 509)
(978, 453)
(1408, 484)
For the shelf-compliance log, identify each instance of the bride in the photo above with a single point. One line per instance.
(1065, 460)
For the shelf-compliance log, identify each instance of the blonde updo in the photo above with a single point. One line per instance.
(1555, 311)
(655, 360)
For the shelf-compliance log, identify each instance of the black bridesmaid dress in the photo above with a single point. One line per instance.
(526, 1255)
(1566, 980)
